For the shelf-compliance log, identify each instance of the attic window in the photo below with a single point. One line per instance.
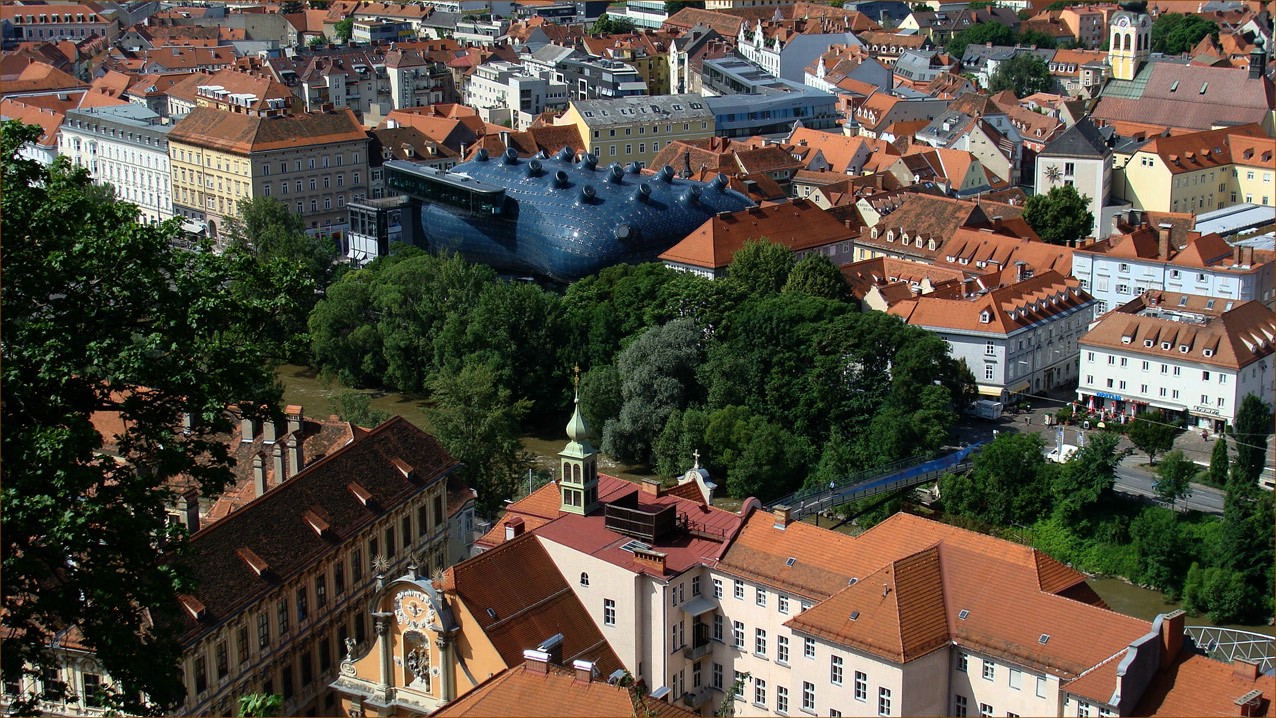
(404, 468)
(315, 522)
(1207, 352)
(635, 545)
(853, 581)
(359, 492)
(1204, 87)
(1183, 301)
(1174, 86)
(255, 562)
(1044, 637)
(491, 613)
(1148, 343)
(791, 560)
(985, 317)
(855, 615)
(1183, 348)
(1165, 345)
(1126, 339)
(192, 606)
(963, 614)
(1209, 304)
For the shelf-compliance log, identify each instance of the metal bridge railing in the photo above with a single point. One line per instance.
(1230, 644)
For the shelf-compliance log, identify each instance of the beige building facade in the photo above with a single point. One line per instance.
(634, 129)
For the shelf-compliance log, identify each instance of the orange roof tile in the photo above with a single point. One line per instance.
(1198, 686)
(242, 133)
(798, 225)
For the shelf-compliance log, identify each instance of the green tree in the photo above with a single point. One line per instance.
(1175, 33)
(608, 25)
(1163, 550)
(682, 437)
(477, 421)
(657, 376)
(1009, 483)
(1060, 216)
(344, 337)
(673, 6)
(1220, 465)
(980, 34)
(609, 309)
(356, 407)
(1175, 477)
(1250, 430)
(758, 457)
(1024, 74)
(260, 705)
(343, 29)
(96, 308)
(1087, 479)
(600, 398)
(317, 41)
(1152, 433)
(816, 276)
(761, 267)
(1036, 38)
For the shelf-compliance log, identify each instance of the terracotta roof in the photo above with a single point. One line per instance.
(1221, 332)
(1194, 685)
(273, 529)
(1198, 252)
(188, 58)
(233, 81)
(519, 598)
(243, 133)
(40, 77)
(1191, 97)
(1007, 305)
(525, 691)
(689, 17)
(985, 250)
(838, 150)
(50, 121)
(895, 278)
(928, 216)
(798, 225)
(1210, 149)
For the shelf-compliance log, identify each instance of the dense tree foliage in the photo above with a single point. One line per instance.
(1060, 216)
(1220, 464)
(761, 267)
(1009, 484)
(1153, 433)
(980, 34)
(1174, 477)
(1024, 74)
(343, 30)
(608, 25)
(1175, 33)
(1250, 430)
(816, 276)
(105, 315)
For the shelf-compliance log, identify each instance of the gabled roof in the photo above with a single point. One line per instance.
(1194, 685)
(1001, 309)
(50, 121)
(243, 133)
(519, 598)
(798, 225)
(1082, 140)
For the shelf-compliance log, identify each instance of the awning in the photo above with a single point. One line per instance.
(699, 606)
(990, 391)
(1021, 386)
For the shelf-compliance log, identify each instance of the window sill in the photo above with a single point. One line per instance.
(761, 656)
(782, 663)
(808, 711)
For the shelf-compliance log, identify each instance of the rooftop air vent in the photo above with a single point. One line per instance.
(491, 613)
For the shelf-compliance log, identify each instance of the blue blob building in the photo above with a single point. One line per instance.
(563, 218)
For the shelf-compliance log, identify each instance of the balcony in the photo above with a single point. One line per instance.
(698, 650)
(697, 698)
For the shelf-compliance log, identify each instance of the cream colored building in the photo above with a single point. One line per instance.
(634, 129)
(1199, 172)
(1129, 43)
(313, 162)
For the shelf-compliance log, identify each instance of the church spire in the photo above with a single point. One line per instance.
(578, 487)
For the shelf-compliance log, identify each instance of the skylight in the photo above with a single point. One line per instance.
(792, 560)
(1044, 637)
(635, 546)
(855, 615)
(963, 614)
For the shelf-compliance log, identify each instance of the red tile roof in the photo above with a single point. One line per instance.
(1007, 308)
(1198, 686)
(243, 133)
(798, 225)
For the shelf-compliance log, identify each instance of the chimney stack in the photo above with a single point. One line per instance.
(296, 460)
(1163, 240)
(584, 671)
(1244, 670)
(188, 505)
(295, 418)
(259, 474)
(1236, 255)
(281, 470)
(651, 487)
(1019, 270)
(246, 430)
(268, 430)
(1247, 256)
(1116, 224)
(513, 528)
(535, 661)
(782, 516)
(1171, 636)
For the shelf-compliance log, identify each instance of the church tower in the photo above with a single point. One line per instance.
(578, 489)
(1129, 43)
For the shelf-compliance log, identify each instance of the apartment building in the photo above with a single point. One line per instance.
(1126, 264)
(1078, 158)
(785, 49)
(1017, 332)
(126, 147)
(1201, 171)
(56, 22)
(314, 163)
(634, 129)
(503, 92)
(1193, 356)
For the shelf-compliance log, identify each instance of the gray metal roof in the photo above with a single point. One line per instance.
(632, 110)
(1080, 140)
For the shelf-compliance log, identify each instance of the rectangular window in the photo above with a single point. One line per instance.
(986, 710)
(759, 691)
(759, 641)
(717, 627)
(737, 634)
(883, 701)
(1041, 686)
(760, 596)
(990, 670)
(201, 675)
(695, 585)
(325, 655)
(808, 696)
(835, 670)
(717, 588)
(92, 690)
(321, 591)
(406, 530)
(356, 565)
(959, 706)
(263, 630)
(737, 687)
(389, 530)
(282, 611)
(1016, 678)
(307, 669)
(783, 602)
(302, 609)
(861, 686)
(222, 660)
(782, 649)
(962, 662)
(609, 612)
(242, 644)
(808, 648)
(739, 589)
(781, 699)
(715, 676)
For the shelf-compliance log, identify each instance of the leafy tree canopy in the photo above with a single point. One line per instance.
(1250, 431)
(761, 267)
(343, 29)
(979, 34)
(1175, 475)
(1023, 74)
(816, 276)
(1175, 33)
(1060, 216)
(608, 25)
(1153, 433)
(105, 315)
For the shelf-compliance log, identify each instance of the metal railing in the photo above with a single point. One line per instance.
(1230, 644)
(894, 477)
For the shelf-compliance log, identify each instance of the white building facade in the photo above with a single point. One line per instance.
(126, 147)
(505, 85)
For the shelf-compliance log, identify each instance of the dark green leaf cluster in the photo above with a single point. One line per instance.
(1024, 74)
(608, 25)
(107, 320)
(1060, 216)
(1176, 33)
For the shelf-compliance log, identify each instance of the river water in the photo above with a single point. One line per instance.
(303, 387)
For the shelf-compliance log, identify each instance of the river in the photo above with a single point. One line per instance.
(1145, 603)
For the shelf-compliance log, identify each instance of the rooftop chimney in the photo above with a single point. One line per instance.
(1163, 240)
(1247, 256)
(1244, 670)
(259, 474)
(188, 505)
(295, 418)
(584, 671)
(1116, 224)
(281, 470)
(1171, 636)
(246, 429)
(651, 487)
(269, 431)
(535, 661)
(296, 458)
(781, 514)
(513, 527)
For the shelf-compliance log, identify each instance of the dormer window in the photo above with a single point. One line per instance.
(985, 317)
(1165, 346)
(1148, 343)
(1208, 352)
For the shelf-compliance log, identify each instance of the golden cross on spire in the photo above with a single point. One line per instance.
(576, 376)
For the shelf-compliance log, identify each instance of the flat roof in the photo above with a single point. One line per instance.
(1235, 219)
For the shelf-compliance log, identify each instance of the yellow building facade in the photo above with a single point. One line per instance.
(634, 129)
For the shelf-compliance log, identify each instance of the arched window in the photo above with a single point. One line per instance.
(576, 473)
(584, 579)
(567, 471)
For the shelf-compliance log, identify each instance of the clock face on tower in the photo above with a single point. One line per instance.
(1123, 22)
(412, 610)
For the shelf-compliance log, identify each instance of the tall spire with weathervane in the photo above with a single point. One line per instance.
(578, 489)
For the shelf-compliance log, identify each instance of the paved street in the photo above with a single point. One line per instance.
(1133, 477)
